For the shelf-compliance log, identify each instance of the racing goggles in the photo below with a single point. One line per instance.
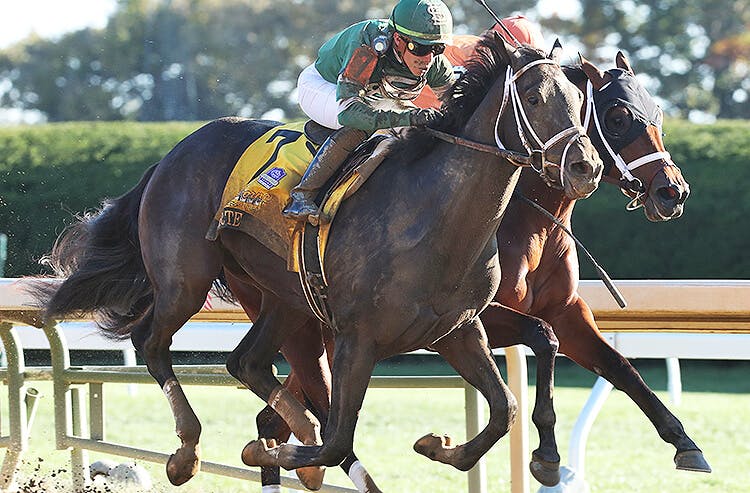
(420, 50)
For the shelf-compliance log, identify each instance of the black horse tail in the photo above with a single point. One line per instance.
(100, 257)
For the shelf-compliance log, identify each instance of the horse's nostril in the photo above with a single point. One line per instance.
(670, 193)
(580, 168)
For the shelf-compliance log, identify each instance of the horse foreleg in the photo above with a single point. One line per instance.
(466, 350)
(506, 327)
(274, 429)
(251, 363)
(353, 366)
(581, 341)
(304, 350)
(272, 426)
(309, 352)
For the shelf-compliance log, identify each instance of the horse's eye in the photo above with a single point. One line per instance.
(533, 100)
(618, 120)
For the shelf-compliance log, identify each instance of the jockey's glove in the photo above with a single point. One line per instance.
(422, 117)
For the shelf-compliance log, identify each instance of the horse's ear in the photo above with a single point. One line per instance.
(595, 75)
(510, 51)
(622, 62)
(556, 53)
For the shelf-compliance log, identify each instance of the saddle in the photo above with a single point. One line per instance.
(258, 187)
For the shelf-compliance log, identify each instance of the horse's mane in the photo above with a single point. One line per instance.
(481, 71)
(461, 101)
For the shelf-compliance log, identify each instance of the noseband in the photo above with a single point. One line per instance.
(538, 155)
(629, 182)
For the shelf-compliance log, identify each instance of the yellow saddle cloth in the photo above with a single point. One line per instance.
(258, 187)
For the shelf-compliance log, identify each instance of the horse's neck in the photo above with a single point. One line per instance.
(490, 178)
(473, 187)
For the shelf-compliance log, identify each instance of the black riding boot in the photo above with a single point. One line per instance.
(329, 158)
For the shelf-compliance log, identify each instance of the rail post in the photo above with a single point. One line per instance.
(22, 402)
(3, 252)
(515, 359)
(474, 418)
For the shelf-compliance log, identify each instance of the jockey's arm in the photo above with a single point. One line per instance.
(358, 113)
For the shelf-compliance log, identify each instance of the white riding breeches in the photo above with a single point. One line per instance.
(317, 98)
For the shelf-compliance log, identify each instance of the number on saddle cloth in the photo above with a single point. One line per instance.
(259, 185)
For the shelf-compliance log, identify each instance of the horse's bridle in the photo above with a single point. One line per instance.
(629, 183)
(538, 156)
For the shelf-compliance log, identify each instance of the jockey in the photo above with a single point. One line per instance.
(364, 79)
(462, 47)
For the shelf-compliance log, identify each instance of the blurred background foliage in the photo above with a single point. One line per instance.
(195, 60)
(200, 59)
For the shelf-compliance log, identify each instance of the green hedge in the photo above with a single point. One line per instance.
(49, 173)
(709, 241)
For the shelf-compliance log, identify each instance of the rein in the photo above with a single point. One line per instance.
(619, 298)
(514, 157)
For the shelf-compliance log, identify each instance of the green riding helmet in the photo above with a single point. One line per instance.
(427, 22)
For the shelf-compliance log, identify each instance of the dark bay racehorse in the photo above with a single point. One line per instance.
(540, 264)
(413, 259)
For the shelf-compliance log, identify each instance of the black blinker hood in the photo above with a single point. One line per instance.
(625, 90)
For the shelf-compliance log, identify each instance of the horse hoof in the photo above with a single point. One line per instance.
(691, 460)
(183, 465)
(440, 449)
(261, 453)
(431, 445)
(311, 477)
(546, 472)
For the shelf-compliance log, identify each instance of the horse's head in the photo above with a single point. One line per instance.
(625, 124)
(535, 110)
(545, 107)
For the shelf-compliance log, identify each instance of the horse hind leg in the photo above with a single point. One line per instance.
(466, 350)
(152, 337)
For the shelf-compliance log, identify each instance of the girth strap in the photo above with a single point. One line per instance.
(311, 275)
